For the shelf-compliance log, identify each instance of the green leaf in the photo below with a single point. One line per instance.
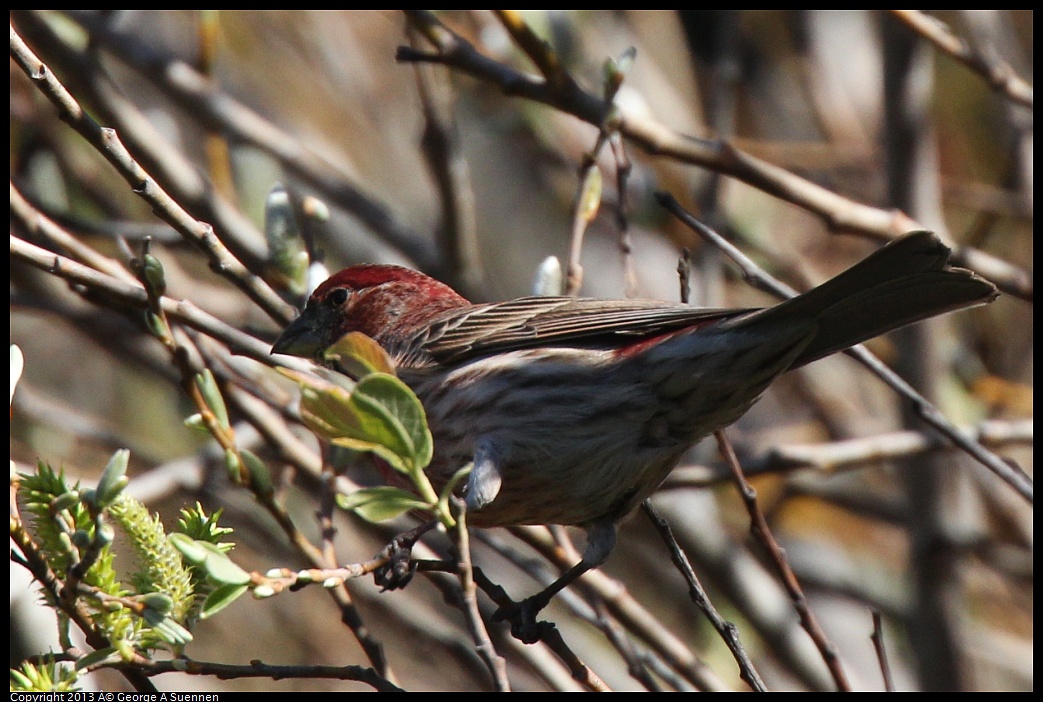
(378, 422)
(66, 500)
(154, 275)
(260, 478)
(233, 466)
(381, 414)
(104, 534)
(221, 568)
(211, 558)
(167, 629)
(113, 478)
(212, 396)
(196, 524)
(19, 681)
(221, 598)
(325, 407)
(402, 415)
(102, 655)
(191, 549)
(157, 326)
(158, 601)
(381, 503)
(358, 355)
(46, 676)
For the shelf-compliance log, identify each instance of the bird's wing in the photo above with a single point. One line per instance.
(480, 330)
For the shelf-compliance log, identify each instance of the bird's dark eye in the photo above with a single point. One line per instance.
(339, 296)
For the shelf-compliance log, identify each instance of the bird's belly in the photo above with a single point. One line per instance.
(578, 437)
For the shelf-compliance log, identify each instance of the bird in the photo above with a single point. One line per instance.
(574, 410)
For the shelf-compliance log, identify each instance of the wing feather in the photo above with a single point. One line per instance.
(481, 330)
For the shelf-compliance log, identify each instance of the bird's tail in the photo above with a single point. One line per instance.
(906, 281)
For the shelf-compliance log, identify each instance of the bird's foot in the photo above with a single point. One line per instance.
(522, 617)
(400, 566)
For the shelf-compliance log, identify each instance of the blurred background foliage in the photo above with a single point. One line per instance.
(854, 101)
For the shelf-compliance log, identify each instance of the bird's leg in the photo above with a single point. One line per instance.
(399, 569)
(522, 615)
(483, 485)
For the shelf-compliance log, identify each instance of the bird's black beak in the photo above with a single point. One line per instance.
(307, 336)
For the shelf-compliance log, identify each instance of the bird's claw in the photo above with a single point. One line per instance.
(522, 618)
(398, 571)
(400, 566)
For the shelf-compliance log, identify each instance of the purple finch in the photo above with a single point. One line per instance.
(575, 410)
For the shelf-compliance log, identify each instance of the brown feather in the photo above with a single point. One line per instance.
(464, 334)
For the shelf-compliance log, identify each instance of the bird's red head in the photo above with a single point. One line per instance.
(387, 303)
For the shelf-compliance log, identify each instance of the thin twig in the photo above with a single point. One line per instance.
(760, 529)
(684, 275)
(840, 213)
(881, 651)
(221, 112)
(850, 454)
(38, 224)
(549, 636)
(257, 669)
(637, 661)
(728, 631)
(494, 662)
(458, 231)
(1006, 470)
(535, 47)
(999, 74)
(107, 143)
(633, 615)
(133, 295)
